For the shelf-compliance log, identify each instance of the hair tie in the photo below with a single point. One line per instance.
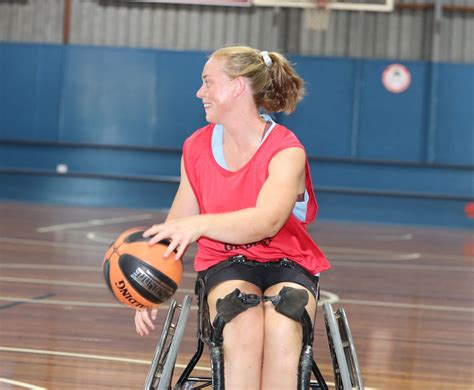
(266, 58)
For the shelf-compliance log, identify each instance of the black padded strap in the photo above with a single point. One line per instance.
(228, 308)
(290, 302)
(235, 303)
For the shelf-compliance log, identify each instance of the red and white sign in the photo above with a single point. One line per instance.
(235, 3)
(396, 78)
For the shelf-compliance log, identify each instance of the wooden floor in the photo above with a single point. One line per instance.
(408, 293)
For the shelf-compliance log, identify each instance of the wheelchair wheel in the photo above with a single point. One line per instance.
(349, 349)
(345, 364)
(164, 359)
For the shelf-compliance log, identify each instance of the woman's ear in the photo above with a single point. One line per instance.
(240, 85)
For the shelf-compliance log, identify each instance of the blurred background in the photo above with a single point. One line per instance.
(97, 98)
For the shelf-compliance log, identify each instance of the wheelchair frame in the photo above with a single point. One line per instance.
(347, 375)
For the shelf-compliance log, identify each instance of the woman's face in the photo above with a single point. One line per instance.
(217, 91)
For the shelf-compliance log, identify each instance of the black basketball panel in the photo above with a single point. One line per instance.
(150, 283)
(136, 237)
(106, 272)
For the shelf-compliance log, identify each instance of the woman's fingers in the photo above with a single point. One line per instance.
(180, 235)
(152, 230)
(143, 322)
(173, 245)
(157, 238)
(180, 249)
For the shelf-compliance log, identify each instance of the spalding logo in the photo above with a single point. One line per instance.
(126, 294)
(160, 289)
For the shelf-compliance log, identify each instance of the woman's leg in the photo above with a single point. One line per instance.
(282, 343)
(243, 338)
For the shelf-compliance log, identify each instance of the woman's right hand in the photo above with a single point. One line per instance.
(144, 321)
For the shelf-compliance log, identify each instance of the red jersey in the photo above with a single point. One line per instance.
(218, 190)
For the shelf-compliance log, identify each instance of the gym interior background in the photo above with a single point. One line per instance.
(105, 90)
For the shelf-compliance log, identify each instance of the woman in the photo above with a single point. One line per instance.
(246, 190)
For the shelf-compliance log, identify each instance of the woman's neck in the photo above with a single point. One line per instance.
(244, 132)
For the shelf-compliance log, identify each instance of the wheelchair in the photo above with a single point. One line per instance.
(347, 374)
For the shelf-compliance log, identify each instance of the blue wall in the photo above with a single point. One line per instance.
(117, 117)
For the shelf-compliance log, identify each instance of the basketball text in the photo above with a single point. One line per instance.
(126, 294)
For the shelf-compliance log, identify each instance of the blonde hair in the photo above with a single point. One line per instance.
(276, 86)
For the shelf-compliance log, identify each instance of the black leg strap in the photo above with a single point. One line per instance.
(290, 302)
(228, 308)
(235, 303)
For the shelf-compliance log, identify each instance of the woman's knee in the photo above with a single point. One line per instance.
(283, 333)
(244, 335)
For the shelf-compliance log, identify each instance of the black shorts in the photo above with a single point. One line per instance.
(263, 275)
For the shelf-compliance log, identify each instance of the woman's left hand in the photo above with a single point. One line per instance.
(180, 233)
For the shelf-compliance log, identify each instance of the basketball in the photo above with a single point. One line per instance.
(137, 274)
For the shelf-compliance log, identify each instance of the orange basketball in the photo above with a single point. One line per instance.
(137, 274)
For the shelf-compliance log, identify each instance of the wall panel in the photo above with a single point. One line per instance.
(30, 82)
(392, 126)
(454, 142)
(405, 34)
(118, 117)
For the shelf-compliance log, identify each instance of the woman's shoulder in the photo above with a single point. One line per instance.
(200, 135)
(198, 141)
(286, 136)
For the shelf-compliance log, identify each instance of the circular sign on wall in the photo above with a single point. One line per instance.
(396, 78)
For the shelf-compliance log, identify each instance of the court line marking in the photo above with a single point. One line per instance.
(89, 356)
(10, 305)
(407, 305)
(426, 267)
(110, 358)
(75, 303)
(53, 244)
(55, 267)
(343, 250)
(375, 257)
(94, 237)
(70, 283)
(21, 384)
(353, 252)
(94, 222)
(383, 237)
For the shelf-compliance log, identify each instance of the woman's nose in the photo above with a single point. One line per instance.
(199, 92)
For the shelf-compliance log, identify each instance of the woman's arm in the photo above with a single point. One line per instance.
(274, 205)
(185, 203)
